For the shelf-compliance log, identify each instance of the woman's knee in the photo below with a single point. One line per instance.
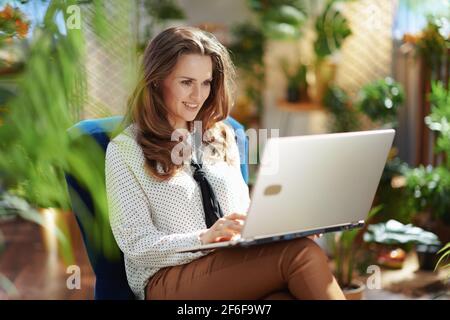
(309, 249)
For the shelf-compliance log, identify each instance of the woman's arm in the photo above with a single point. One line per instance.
(131, 223)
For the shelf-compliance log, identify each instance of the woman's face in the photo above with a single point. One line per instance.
(186, 88)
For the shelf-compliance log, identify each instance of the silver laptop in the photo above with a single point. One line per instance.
(312, 184)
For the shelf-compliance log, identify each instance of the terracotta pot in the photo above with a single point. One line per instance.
(355, 291)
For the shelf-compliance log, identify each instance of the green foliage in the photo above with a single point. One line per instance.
(445, 251)
(344, 118)
(247, 48)
(247, 52)
(33, 135)
(164, 10)
(393, 232)
(429, 185)
(432, 45)
(36, 150)
(280, 19)
(331, 30)
(431, 190)
(398, 203)
(159, 12)
(296, 75)
(381, 99)
(438, 119)
(345, 250)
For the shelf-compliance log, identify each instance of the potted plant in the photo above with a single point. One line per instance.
(345, 249)
(36, 150)
(430, 185)
(13, 207)
(393, 234)
(344, 117)
(332, 28)
(380, 101)
(247, 50)
(281, 20)
(432, 46)
(297, 87)
(445, 251)
(160, 14)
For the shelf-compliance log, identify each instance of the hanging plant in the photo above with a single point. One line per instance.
(432, 45)
(331, 29)
(280, 19)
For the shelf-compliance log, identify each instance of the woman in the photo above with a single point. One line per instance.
(167, 192)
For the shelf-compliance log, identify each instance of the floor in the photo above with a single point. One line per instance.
(411, 283)
(32, 263)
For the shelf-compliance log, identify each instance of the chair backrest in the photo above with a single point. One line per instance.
(111, 281)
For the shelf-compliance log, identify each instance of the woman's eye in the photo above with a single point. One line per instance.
(207, 83)
(186, 82)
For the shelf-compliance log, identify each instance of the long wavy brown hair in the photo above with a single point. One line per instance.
(146, 108)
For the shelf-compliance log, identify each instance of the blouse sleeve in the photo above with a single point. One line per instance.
(131, 223)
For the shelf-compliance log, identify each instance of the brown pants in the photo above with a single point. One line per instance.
(296, 269)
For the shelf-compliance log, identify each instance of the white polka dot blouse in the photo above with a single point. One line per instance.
(150, 219)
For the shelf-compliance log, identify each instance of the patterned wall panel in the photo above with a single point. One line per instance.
(367, 54)
(110, 61)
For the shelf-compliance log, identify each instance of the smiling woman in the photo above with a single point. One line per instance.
(157, 206)
(186, 88)
(186, 74)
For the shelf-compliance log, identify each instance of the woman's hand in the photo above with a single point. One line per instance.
(224, 229)
(315, 236)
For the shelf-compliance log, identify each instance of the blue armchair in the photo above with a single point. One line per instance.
(111, 281)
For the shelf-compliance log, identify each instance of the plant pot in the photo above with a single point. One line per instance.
(325, 73)
(427, 255)
(293, 94)
(391, 257)
(355, 291)
(439, 227)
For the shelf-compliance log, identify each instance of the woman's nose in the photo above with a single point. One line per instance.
(195, 93)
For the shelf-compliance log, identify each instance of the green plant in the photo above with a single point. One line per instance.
(430, 185)
(345, 252)
(380, 100)
(439, 118)
(344, 117)
(393, 232)
(331, 30)
(279, 19)
(159, 12)
(432, 45)
(431, 189)
(296, 80)
(445, 251)
(247, 51)
(398, 203)
(35, 149)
